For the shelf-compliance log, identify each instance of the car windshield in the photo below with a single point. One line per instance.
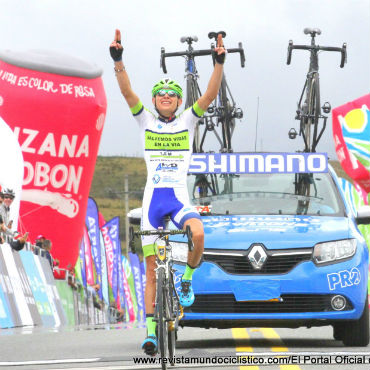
(266, 194)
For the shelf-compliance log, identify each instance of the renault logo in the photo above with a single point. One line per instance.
(257, 256)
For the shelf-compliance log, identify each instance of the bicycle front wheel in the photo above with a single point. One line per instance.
(162, 323)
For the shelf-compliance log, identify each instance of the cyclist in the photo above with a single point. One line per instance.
(167, 141)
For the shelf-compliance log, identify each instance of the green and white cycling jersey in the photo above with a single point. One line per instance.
(168, 145)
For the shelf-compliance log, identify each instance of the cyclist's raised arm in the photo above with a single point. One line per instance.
(116, 50)
(215, 81)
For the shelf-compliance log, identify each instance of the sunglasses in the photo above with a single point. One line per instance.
(170, 93)
(8, 197)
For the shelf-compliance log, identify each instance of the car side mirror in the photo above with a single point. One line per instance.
(134, 216)
(363, 215)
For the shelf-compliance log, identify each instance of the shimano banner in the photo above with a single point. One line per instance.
(258, 163)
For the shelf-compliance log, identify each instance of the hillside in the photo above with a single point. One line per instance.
(108, 185)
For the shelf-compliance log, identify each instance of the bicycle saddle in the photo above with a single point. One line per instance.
(189, 39)
(312, 31)
(213, 35)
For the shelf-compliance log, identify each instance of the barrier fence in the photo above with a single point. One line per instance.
(30, 296)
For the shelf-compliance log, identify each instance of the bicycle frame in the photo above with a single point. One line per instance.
(167, 310)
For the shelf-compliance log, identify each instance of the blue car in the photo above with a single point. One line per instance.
(281, 250)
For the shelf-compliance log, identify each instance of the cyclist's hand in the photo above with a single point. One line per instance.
(116, 48)
(220, 50)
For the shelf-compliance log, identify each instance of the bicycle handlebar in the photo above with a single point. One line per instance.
(342, 50)
(197, 53)
(160, 233)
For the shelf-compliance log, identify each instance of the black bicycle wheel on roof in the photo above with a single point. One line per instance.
(310, 118)
(225, 117)
(192, 95)
(162, 316)
(315, 109)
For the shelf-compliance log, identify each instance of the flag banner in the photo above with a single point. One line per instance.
(110, 233)
(131, 283)
(82, 264)
(143, 279)
(58, 128)
(92, 225)
(127, 290)
(104, 272)
(351, 130)
(123, 304)
(136, 272)
(108, 252)
(258, 163)
(89, 268)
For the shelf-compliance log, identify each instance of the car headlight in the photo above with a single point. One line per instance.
(334, 251)
(179, 251)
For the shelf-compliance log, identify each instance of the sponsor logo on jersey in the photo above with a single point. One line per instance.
(156, 179)
(167, 167)
(167, 141)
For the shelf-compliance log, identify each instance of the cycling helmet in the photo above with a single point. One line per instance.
(9, 192)
(167, 83)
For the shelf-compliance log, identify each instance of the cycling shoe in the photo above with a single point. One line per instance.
(186, 294)
(150, 345)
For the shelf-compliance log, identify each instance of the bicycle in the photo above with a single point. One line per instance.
(167, 311)
(309, 111)
(224, 111)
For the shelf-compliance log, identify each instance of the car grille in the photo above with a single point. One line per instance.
(278, 261)
(226, 303)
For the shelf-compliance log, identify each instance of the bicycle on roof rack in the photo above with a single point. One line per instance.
(309, 110)
(223, 112)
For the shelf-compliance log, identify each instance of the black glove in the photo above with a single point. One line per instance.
(116, 54)
(220, 58)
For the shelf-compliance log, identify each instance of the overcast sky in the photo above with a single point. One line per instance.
(85, 28)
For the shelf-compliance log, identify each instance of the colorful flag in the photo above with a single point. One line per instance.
(136, 272)
(92, 224)
(127, 290)
(351, 130)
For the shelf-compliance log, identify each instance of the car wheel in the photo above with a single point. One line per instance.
(356, 333)
(338, 331)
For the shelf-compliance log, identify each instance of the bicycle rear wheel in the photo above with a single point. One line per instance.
(172, 326)
(162, 324)
(311, 118)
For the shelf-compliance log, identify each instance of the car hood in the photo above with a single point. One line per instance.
(275, 232)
